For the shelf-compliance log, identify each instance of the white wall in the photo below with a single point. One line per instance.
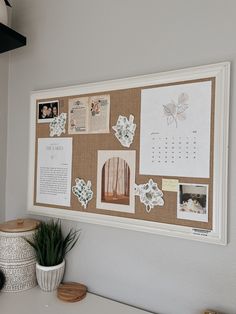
(78, 41)
(4, 63)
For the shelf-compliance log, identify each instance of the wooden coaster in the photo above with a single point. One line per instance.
(71, 291)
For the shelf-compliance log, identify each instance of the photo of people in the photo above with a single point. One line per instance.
(95, 107)
(193, 202)
(47, 111)
(115, 181)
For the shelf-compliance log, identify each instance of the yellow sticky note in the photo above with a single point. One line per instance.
(170, 185)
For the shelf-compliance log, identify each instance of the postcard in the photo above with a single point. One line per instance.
(89, 114)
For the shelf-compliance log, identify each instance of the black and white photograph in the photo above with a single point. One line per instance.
(47, 111)
(192, 202)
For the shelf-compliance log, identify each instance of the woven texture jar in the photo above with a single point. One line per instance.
(17, 257)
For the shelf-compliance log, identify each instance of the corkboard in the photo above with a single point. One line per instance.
(84, 161)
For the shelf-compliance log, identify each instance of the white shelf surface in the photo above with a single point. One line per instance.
(35, 301)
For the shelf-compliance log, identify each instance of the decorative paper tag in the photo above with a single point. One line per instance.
(57, 126)
(83, 191)
(125, 130)
(170, 185)
(150, 195)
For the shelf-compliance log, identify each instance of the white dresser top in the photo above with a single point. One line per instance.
(35, 301)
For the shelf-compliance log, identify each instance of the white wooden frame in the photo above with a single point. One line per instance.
(221, 71)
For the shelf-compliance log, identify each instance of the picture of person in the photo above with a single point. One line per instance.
(54, 111)
(47, 111)
(95, 107)
(43, 112)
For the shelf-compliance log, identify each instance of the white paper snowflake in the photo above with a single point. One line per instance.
(83, 191)
(125, 130)
(57, 126)
(150, 195)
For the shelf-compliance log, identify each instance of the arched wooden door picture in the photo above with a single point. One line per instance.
(116, 181)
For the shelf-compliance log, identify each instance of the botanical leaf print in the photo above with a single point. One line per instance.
(170, 119)
(181, 116)
(83, 191)
(181, 108)
(125, 130)
(183, 98)
(150, 195)
(170, 109)
(57, 125)
(175, 111)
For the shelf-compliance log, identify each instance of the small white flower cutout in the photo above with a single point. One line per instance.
(150, 195)
(57, 126)
(83, 191)
(125, 130)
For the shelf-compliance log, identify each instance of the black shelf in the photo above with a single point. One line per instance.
(10, 39)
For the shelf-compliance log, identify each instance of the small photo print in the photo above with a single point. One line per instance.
(192, 202)
(95, 106)
(47, 111)
(115, 180)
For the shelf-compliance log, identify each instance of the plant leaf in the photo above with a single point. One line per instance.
(170, 109)
(170, 120)
(49, 243)
(183, 98)
(181, 116)
(182, 108)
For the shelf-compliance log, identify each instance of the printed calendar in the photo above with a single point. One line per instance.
(175, 130)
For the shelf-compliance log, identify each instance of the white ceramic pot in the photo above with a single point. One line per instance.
(50, 277)
(3, 12)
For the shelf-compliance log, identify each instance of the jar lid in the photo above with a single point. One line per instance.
(19, 225)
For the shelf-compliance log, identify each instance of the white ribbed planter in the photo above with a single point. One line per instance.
(50, 277)
(3, 12)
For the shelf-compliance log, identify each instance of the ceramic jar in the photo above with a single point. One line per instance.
(17, 257)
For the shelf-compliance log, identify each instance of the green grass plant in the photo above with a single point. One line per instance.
(49, 243)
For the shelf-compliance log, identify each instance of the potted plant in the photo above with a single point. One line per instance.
(51, 248)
